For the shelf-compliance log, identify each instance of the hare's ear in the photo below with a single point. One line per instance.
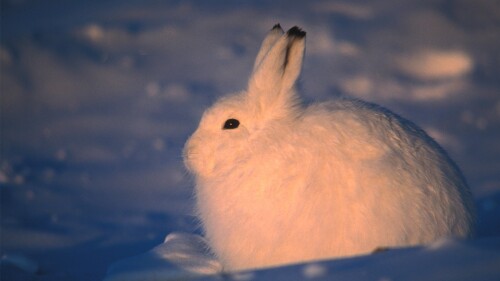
(274, 34)
(272, 82)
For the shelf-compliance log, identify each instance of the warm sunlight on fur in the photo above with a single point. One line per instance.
(278, 182)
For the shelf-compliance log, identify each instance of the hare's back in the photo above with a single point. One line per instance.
(381, 150)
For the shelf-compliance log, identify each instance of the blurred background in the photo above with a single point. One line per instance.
(98, 98)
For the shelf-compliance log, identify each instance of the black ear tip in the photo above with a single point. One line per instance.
(296, 32)
(276, 26)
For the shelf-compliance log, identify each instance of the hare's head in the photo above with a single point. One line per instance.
(229, 130)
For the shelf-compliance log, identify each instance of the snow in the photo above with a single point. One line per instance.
(98, 98)
(21, 262)
(446, 259)
(182, 255)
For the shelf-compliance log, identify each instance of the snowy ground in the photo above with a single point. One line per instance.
(184, 257)
(98, 97)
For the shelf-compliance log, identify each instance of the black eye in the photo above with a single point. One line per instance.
(231, 124)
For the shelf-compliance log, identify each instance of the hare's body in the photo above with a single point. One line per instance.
(288, 184)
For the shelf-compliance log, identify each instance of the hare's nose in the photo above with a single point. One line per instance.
(190, 145)
(190, 149)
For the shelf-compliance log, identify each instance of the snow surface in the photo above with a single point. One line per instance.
(98, 98)
(181, 256)
(184, 257)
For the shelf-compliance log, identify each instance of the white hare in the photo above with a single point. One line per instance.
(278, 182)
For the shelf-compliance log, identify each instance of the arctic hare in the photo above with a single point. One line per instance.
(279, 182)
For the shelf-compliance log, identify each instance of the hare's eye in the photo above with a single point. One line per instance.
(231, 124)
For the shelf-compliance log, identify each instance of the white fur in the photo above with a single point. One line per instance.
(295, 183)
